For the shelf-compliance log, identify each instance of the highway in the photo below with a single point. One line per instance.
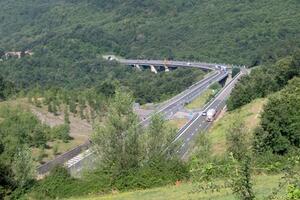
(191, 93)
(171, 106)
(199, 124)
(178, 102)
(206, 66)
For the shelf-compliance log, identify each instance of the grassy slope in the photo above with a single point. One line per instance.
(50, 119)
(248, 113)
(263, 186)
(200, 101)
(177, 123)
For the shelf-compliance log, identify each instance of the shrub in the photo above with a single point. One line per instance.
(58, 184)
(61, 132)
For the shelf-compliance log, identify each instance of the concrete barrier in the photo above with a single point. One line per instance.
(61, 159)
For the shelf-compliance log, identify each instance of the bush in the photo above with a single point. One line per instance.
(61, 132)
(279, 130)
(58, 184)
(154, 174)
(235, 71)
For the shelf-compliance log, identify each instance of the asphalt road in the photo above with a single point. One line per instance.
(199, 124)
(187, 96)
(207, 66)
(171, 106)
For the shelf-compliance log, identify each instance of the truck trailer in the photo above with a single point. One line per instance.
(211, 113)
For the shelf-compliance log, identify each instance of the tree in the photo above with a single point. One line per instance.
(159, 139)
(38, 136)
(241, 182)
(23, 167)
(279, 129)
(66, 115)
(2, 53)
(72, 106)
(61, 132)
(236, 139)
(6, 88)
(235, 71)
(117, 143)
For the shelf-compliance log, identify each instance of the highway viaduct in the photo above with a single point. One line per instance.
(170, 107)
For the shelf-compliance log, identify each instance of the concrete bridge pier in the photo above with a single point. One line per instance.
(166, 68)
(153, 69)
(138, 67)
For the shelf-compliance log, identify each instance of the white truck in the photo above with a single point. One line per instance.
(210, 115)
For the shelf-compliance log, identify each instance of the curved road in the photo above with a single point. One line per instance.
(199, 124)
(172, 105)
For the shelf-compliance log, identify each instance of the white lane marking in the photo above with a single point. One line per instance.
(184, 155)
(220, 94)
(187, 95)
(185, 130)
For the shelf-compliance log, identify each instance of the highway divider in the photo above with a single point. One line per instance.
(205, 107)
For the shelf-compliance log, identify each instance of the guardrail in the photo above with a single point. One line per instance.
(61, 159)
(184, 94)
(205, 107)
(76, 167)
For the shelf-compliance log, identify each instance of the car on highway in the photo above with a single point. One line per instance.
(204, 113)
(189, 64)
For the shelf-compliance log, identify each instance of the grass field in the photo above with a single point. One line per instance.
(200, 101)
(249, 114)
(263, 186)
(176, 123)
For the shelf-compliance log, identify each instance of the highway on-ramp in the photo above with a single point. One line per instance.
(199, 123)
(171, 106)
(179, 101)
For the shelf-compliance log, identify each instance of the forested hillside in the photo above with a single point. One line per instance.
(241, 32)
(67, 39)
(63, 73)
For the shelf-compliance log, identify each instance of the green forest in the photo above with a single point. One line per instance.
(67, 77)
(235, 32)
(68, 39)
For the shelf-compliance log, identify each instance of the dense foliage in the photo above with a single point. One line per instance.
(20, 131)
(68, 75)
(241, 32)
(280, 121)
(6, 88)
(50, 72)
(128, 157)
(264, 80)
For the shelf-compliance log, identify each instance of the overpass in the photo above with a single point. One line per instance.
(167, 65)
(171, 106)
